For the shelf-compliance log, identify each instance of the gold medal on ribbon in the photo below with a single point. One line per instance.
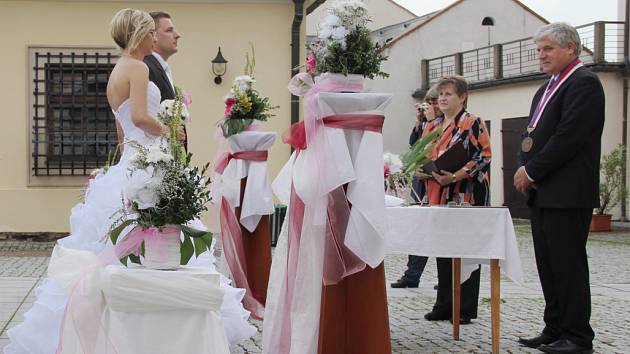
(526, 144)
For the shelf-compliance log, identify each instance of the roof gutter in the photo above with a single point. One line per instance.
(298, 16)
(624, 124)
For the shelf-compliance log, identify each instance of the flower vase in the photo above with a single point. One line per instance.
(353, 83)
(163, 252)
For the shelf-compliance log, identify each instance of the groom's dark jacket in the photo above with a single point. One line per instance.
(158, 76)
(564, 160)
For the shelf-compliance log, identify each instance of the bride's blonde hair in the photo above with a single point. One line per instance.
(129, 27)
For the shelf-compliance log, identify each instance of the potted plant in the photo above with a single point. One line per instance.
(611, 188)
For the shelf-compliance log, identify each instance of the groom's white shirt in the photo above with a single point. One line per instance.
(166, 67)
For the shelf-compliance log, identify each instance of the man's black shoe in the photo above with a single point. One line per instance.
(402, 283)
(436, 316)
(536, 342)
(564, 346)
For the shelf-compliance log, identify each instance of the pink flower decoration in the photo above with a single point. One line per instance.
(228, 106)
(385, 171)
(311, 65)
(186, 99)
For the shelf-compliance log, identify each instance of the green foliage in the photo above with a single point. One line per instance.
(250, 63)
(260, 109)
(358, 55)
(611, 187)
(184, 194)
(416, 157)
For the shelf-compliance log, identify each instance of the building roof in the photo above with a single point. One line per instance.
(445, 10)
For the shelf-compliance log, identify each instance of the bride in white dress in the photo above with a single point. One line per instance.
(136, 102)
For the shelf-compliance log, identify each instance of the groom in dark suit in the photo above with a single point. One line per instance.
(165, 46)
(560, 153)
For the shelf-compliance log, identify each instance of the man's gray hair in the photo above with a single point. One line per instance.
(561, 33)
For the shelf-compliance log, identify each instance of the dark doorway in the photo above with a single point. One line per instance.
(511, 130)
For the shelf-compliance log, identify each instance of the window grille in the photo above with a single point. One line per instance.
(73, 127)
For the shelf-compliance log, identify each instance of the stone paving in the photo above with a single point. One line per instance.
(23, 264)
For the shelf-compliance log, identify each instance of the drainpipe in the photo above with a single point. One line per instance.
(624, 130)
(298, 16)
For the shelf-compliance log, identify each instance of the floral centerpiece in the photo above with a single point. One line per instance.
(243, 104)
(344, 44)
(398, 171)
(164, 192)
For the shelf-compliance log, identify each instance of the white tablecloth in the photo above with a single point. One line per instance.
(159, 312)
(475, 234)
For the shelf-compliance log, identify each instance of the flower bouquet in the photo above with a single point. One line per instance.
(163, 194)
(344, 44)
(417, 157)
(172, 113)
(243, 104)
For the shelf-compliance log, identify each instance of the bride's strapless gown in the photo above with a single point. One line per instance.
(89, 223)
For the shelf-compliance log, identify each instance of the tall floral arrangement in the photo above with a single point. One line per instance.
(163, 189)
(344, 44)
(244, 104)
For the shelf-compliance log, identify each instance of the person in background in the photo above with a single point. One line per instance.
(559, 173)
(468, 184)
(426, 112)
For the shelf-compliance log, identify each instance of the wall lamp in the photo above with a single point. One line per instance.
(219, 67)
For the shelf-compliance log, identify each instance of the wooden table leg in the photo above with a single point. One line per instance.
(457, 291)
(495, 303)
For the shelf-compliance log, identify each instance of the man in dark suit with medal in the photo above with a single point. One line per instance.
(164, 47)
(559, 172)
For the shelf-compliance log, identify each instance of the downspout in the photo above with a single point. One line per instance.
(624, 130)
(298, 16)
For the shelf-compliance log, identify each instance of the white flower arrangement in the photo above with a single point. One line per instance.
(167, 109)
(163, 190)
(344, 44)
(243, 83)
(393, 161)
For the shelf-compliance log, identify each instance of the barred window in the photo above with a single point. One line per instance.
(73, 127)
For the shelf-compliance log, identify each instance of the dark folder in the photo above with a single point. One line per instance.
(452, 160)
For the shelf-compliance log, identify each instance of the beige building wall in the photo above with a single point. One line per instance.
(204, 25)
(383, 13)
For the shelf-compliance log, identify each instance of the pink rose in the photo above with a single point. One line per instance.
(385, 171)
(228, 106)
(311, 65)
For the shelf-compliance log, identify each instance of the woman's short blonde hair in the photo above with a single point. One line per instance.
(129, 27)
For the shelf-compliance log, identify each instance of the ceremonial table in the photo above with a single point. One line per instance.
(151, 311)
(469, 235)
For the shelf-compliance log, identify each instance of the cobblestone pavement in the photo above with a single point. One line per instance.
(521, 308)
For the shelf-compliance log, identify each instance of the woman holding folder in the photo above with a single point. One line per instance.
(464, 142)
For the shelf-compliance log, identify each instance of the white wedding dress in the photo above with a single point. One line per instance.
(89, 223)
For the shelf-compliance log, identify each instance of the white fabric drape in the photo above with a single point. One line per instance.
(352, 157)
(257, 197)
(145, 311)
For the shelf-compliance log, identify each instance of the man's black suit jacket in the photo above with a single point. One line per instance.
(158, 76)
(564, 160)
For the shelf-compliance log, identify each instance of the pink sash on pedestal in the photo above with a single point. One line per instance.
(232, 236)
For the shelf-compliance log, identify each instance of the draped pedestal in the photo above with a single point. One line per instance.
(327, 285)
(257, 250)
(242, 187)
